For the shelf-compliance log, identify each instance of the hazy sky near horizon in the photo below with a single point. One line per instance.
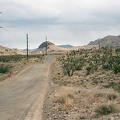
(75, 22)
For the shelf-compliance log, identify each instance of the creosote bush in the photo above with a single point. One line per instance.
(105, 109)
(4, 68)
(116, 68)
(89, 68)
(91, 60)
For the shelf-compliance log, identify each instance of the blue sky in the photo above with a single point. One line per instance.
(75, 22)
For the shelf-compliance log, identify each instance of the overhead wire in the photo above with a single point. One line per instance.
(8, 30)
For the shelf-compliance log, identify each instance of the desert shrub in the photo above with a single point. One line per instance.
(116, 68)
(111, 84)
(78, 60)
(105, 109)
(109, 96)
(78, 67)
(105, 66)
(69, 68)
(89, 68)
(115, 86)
(95, 81)
(78, 64)
(16, 58)
(4, 69)
(65, 97)
(70, 64)
(64, 100)
(117, 50)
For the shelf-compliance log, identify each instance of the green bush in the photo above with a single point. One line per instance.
(4, 69)
(116, 68)
(111, 84)
(69, 68)
(78, 67)
(105, 66)
(105, 109)
(89, 68)
(17, 58)
(93, 59)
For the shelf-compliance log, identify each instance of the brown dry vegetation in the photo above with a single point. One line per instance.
(15, 63)
(93, 96)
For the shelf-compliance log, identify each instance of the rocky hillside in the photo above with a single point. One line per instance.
(107, 41)
(44, 44)
(8, 51)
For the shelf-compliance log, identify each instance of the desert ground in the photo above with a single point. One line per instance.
(84, 87)
(74, 85)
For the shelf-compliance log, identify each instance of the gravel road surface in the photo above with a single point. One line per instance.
(22, 96)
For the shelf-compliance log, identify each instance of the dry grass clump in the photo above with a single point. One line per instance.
(89, 99)
(68, 102)
(65, 100)
(64, 96)
(108, 96)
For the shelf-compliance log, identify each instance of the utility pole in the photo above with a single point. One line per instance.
(99, 44)
(46, 45)
(27, 45)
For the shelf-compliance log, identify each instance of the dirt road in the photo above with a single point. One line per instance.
(21, 97)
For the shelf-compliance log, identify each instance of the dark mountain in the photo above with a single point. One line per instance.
(51, 47)
(65, 46)
(107, 41)
(44, 44)
(30, 50)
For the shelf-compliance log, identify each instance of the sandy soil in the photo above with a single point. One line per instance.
(74, 98)
(22, 96)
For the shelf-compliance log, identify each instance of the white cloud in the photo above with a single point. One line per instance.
(64, 21)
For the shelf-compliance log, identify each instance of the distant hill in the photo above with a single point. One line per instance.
(9, 51)
(44, 44)
(65, 46)
(107, 41)
(30, 50)
(51, 47)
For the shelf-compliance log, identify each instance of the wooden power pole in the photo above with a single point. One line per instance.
(46, 45)
(27, 45)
